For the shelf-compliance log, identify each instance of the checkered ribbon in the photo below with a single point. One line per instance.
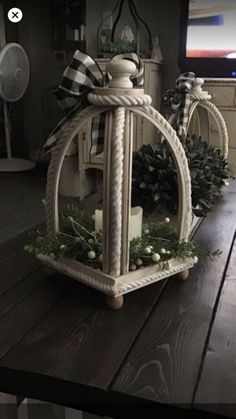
(80, 78)
(179, 101)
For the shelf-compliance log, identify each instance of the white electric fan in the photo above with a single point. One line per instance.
(14, 80)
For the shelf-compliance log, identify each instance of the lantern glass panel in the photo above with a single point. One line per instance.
(80, 201)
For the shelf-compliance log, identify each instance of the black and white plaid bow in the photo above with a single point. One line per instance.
(179, 101)
(81, 77)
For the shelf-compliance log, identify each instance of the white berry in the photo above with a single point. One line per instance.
(91, 254)
(62, 247)
(100, 258)
(132, 267)
(163, 251)
(168, 252)
(146, 231)
(156, 257)
(147, 250)
(195, 259)
(167, 220)
(139, 262)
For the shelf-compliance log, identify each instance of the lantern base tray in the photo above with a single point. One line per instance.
(121, 285)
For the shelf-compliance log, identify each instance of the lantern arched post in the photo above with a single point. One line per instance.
(120, 101)
(54, 170)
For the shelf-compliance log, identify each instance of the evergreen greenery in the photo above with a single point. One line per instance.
(154, 183)
(119, 46)
(79, 241)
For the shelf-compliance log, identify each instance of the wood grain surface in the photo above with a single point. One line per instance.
(217, 387)
(81, 340)
(163, 364)
(60, 343)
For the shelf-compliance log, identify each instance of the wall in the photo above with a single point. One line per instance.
(34, 33)
(31, 116)
(15, 110)
(163, 18)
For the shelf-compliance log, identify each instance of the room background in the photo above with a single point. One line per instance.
(37, 113)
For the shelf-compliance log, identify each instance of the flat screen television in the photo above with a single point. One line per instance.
(208, 38)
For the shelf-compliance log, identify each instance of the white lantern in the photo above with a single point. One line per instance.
(117, 221)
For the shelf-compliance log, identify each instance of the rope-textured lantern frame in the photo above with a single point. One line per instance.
(121, 102)
(202, 99)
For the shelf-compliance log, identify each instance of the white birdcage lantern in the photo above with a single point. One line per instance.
(199, 101)
(119, 222)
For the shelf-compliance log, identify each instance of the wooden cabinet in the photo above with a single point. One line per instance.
(223, 93)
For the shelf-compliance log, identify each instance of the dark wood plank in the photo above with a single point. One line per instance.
(164, 362)
(23, 306)
(12, 246)
(15, 268)
(20, 202)
(217, 388)
(82, 341)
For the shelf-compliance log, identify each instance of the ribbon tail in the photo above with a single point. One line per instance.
(183, 116)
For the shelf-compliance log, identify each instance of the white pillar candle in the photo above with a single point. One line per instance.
(98, 220)
(135, 222)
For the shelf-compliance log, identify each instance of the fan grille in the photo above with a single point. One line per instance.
(14, 72)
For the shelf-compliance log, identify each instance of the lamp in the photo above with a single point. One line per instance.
(124, 30)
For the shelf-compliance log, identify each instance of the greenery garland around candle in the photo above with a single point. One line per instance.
(78, 240)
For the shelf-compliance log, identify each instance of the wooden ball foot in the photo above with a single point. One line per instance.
(115, 302)
(48, 271)
(182, 276)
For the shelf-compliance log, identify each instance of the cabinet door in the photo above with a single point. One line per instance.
(200, 124)
(221, 95)
(229, 116)
(224, 97)
(145, 132)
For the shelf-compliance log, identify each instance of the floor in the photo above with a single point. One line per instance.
(21, 206)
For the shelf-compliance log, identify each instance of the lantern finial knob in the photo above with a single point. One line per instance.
(121, 70)
(197, 87)
(197, 90)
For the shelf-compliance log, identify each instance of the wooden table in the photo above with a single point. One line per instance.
(171, 344)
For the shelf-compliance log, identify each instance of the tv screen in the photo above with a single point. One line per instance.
(208, 37)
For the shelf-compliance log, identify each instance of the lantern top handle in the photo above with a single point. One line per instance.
(121, 70)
